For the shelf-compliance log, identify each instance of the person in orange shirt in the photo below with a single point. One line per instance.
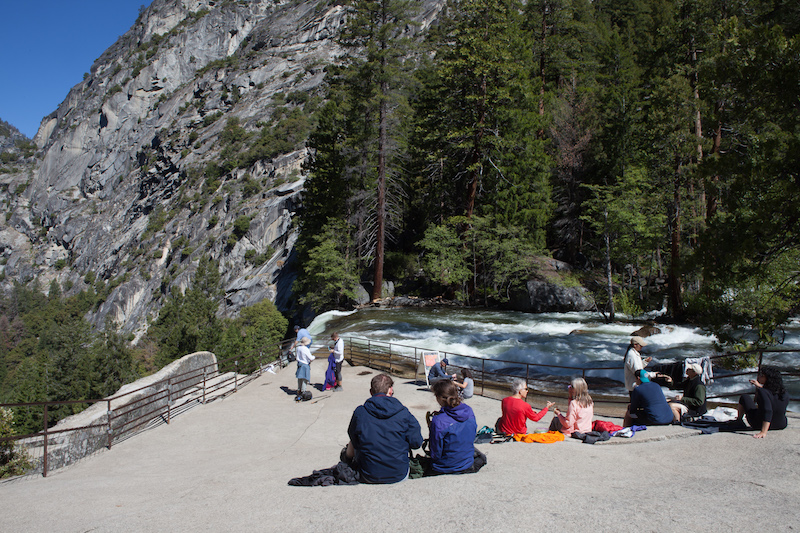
(517, 411)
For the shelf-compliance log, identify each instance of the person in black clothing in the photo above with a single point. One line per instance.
(693, 400)
(767, 410)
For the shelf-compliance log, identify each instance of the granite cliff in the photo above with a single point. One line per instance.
(134, 179)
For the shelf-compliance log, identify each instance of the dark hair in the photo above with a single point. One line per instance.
(447, 391)
(466, 373)
(774, 382)
(380, 384)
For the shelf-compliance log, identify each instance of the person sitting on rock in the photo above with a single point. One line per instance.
(766, 411)
(466, 385)
(452, 434)
(580, 410)
(693, 400)
(517, 411)
(438, 372)
(648, 405)
(382, 433)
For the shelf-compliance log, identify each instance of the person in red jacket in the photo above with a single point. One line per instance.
(517, 411)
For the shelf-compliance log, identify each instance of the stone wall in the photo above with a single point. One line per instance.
(129, 403)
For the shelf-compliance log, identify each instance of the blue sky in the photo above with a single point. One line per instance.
(47, 45)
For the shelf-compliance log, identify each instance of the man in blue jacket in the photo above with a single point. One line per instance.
(648, 405)
(382, 433)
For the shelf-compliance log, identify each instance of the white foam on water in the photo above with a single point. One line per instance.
(512, 339)
(320, 322)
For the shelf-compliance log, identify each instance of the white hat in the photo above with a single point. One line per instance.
(638, 340)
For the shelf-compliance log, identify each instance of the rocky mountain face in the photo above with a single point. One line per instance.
(138, 174)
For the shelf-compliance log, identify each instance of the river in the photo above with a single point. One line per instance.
(564, 339)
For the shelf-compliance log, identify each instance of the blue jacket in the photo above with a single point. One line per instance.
(383, 432)
(453, 432)
(303, 332)
(647, 399)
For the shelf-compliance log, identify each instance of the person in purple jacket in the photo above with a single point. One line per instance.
(452, 434)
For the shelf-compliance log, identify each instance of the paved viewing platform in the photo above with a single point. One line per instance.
(224, 466)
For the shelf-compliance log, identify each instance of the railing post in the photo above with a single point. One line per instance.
(527, 372)
(204, 385)
(416, 365)
(236, 376)
(483, 376)
(44, 466)
(169, 399)
(110, 415)
(390, 358)
(369, 352)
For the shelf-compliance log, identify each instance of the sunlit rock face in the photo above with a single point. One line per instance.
(121, 194)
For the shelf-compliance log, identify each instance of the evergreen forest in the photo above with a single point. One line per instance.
(50, 352)
(650, 144)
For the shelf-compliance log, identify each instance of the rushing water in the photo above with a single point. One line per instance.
(563, 339)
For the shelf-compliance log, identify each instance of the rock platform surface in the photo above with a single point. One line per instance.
(224, 466)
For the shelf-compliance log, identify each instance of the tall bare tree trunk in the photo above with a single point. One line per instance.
(472, 188)
(380, 211)
(675, 300)
(609, 279)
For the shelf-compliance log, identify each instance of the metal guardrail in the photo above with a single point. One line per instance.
(393, 357)
(122, 418)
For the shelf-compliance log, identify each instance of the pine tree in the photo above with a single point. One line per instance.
(379, 42)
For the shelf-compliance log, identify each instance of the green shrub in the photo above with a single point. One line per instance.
(14, 460)
(241, 226)
(212, 118)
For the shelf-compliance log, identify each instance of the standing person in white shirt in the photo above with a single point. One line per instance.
(303, 374)
(634, 363)
(338, 354)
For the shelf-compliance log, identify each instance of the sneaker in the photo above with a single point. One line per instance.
(338, 388)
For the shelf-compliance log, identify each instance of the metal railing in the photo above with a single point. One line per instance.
(399, 358)
(135, 410)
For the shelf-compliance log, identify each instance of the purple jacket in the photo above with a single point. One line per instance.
(452, 439)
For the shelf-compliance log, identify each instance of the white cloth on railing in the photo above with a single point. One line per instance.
(705, 363)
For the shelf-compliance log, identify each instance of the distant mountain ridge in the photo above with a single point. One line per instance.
(178, 143)
(9, 136)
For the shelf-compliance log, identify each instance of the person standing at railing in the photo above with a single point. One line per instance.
(634, 363)
(303, 373)
(301, 332)
(338, 353)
